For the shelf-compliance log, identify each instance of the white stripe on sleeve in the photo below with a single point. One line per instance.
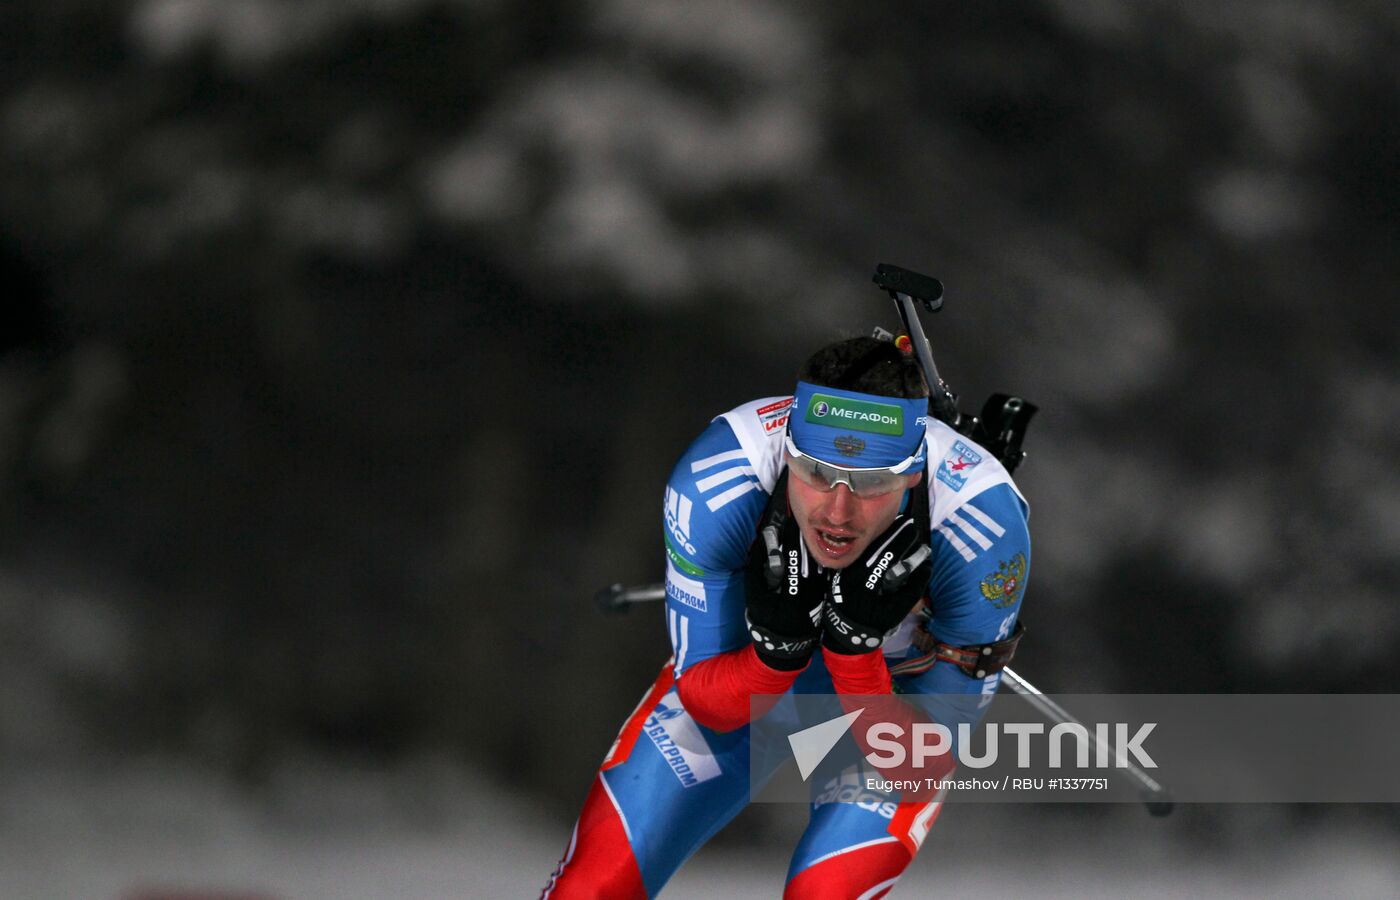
(685, 643)
(971, 532)
(707, 462)
(733, 493)
(704, 484)
(956, 541)
(987, 521)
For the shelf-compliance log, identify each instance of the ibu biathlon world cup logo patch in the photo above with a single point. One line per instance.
(957, 464)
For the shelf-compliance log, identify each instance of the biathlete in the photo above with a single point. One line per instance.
(781, 521)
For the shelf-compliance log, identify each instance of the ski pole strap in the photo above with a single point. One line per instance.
(976, 661)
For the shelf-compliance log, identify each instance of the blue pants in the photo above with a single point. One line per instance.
(669, 784)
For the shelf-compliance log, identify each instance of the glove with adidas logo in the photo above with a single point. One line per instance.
(785, 589)
(870, 597)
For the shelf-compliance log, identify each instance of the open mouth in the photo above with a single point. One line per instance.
(834, 543)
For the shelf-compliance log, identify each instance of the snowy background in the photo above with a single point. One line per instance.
(347, 345)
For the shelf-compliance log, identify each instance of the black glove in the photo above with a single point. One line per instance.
(785, 589)
(870, 597)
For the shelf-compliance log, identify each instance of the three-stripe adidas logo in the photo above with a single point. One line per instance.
(728, 466)
(967, 529)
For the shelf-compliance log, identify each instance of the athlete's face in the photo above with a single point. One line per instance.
(838, 526)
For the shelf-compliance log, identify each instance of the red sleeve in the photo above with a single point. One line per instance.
(858, 673)
(717, 691)
(863, 682)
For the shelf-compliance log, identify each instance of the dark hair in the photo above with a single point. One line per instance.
(865, 364)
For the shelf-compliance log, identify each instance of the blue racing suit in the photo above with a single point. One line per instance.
(669, 782)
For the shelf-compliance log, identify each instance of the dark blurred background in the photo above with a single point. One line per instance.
(347, 346)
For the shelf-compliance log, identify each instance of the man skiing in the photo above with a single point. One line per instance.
(840, 540)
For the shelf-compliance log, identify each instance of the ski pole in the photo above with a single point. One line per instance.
(1154, 796)
(618, 598)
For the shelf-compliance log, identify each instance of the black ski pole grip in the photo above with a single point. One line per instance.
(924, 288)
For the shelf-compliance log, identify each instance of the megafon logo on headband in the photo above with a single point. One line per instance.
(858, 415)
